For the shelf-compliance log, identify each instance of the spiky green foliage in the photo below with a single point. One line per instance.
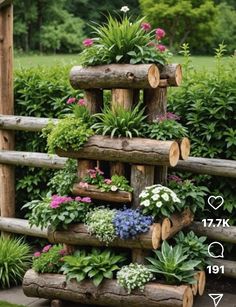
(15, 259)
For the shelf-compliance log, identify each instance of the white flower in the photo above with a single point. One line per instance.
(143, 194)
(155, 197)
(165, 196)
(114, 188)
(124, 9)
(145, 203)
(176, 199)
(158, 204)
(156, 190)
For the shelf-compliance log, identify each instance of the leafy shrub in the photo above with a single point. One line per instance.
(57, 211)
(173, 264)
(99, 223)
(134, 276)
(158, 201)
(96, 265)
(129, 223)
(49, 260)
(120, 122)
(194, 247)
(68, 133)
(14, 261)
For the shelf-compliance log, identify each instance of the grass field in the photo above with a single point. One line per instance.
(6, 304)
(199, 62)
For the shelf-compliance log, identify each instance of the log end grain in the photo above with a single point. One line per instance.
(153, 76)
(188, 298)
(184, 148)
(178, 75)
(201, 282)
(156, 236)
(174, 154)
(165, 228)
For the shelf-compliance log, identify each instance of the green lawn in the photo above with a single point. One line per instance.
(199, 62)
(6, 304)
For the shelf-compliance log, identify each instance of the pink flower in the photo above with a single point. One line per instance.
(98, 171)
(86, 200)
(161, 48)
(146, 26)
(58, 200)
(62, 252)
(46, 248)
(173, 116)
(160, 33)
(88, 42)
(83, 185)
(37, 254)
(108, 181)
(81, 102)
(71, 100)
(174, 178)
(78, 198)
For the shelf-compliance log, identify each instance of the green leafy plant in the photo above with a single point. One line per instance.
(122, 40)
(158, 200)
(15, 259)
(134, 276)
(191, 195)
(120, 122)
(49, 260)
(194, 247)
(57, 211)
(100, 223)
(96, 265)
(173, 264)
(69, 133)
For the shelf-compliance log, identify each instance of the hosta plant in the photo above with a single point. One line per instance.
(158, 200)
(194, 247)
(15, 259)
(96, 265)
(57, 211)
(172, 263)
(49, 259)
(118, 122)
(134, 276)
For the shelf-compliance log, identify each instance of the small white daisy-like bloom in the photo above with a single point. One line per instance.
(124, 9)
(143, 194)
(155, 197)
(145, 203)
(114, 188)
(165, 196)
(176, 199)
(156, 190)
(158, 204)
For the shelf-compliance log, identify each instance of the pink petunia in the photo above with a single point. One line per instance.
(81, 102)
(88, 42)
(108, 181)
(86, 200)
(161, 48)
(160, 33)
(71, 100)
(146, 26)
(78, 198)
(46, 248)
(37, 254)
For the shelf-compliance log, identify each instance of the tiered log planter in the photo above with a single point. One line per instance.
(109, 293)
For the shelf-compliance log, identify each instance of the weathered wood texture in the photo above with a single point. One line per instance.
(24, 123)
(78, 235)
(21, 226)
(229, 267)
(4, 3)
(184, 146)
(225, 234)
(83, 166)
(201, 282)
(215, 167)
(7, 174)
(94, 100)
(109, 293)
(115, 76)
(135, 150)
(155, 101)
(95, 193)
(32, 159)
(172, 73)
(171, 226)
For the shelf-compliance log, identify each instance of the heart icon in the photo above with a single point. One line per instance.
(215, 204)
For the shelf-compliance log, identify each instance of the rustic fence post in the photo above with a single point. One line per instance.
(7, 176)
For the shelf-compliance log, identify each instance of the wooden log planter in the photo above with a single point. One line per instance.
(184, 146)
(109, 293)
(151, 152)
(172, 73)
(200, 285)
(79, 235)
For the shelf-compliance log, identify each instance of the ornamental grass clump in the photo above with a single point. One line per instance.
(49, 259)
(129, 223)
(158, 201)
(134, 276)
(15, 259)
(100, 223)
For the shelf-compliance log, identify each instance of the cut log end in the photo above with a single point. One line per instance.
(153, 76)
(156, 236)
(201, 282)
(184, 148)
(178, 75)
(165, 228)
(194, 287)
(188, 298)
(174, 154)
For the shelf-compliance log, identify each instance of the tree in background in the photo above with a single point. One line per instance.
(183, 20)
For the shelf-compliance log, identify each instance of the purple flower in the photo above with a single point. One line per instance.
(58, 200)
(46, 248)
(173, 116)
(88, 42)
(160, 33)
(62, 252)
(37, 254)
(146, 26)
(175, 178)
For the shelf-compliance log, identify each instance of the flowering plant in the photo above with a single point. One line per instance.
(80, 110)
(159, 200)
(129, 223)
(57, 211)
(134, 276)
(123, 40)
(49, 260)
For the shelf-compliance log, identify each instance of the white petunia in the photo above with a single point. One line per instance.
(143, 194)
(114, 188)
(145, 203)
(124, 9)
(156, 190)
(165, 196)
(155, 197)
(158, 204)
